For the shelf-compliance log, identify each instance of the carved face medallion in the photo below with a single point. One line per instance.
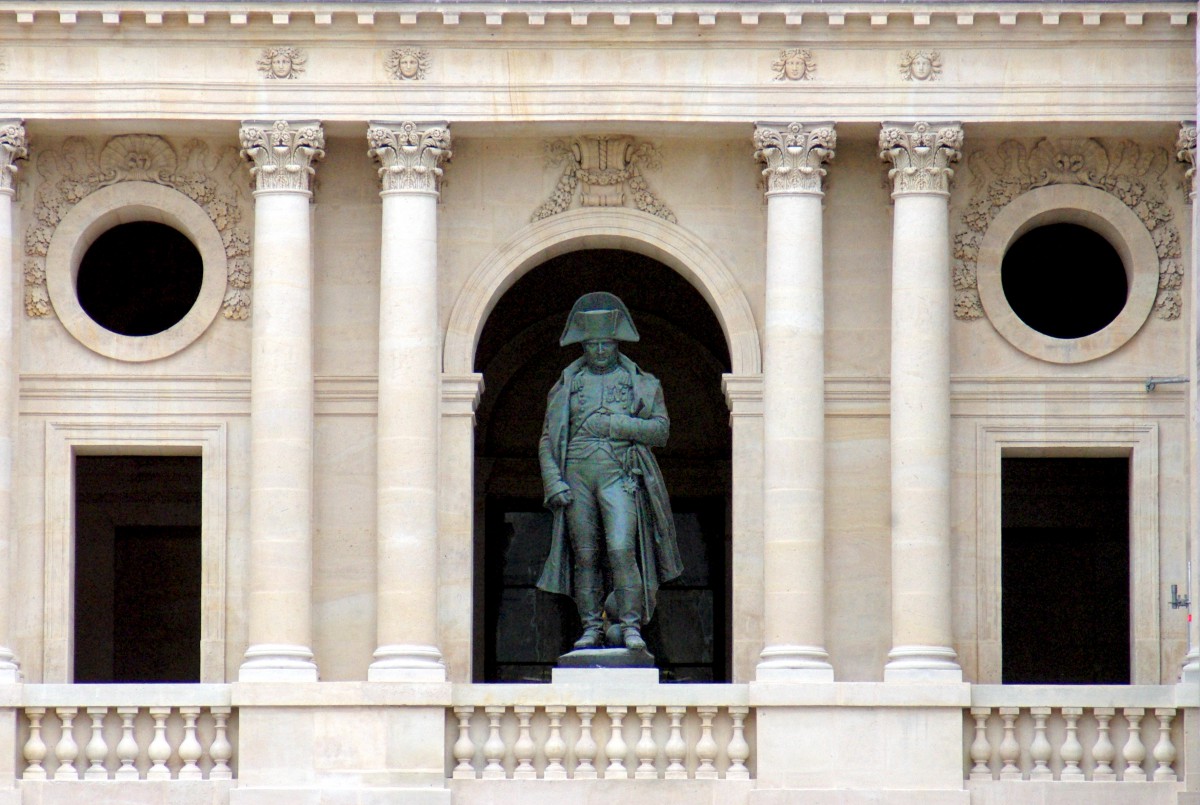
(794, 67)
(281, 65)
(409, 65)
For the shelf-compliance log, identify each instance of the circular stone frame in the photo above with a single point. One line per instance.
(126, 203)
(1103, 214)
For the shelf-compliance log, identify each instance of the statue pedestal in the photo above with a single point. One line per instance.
(623, 677)
(606, 658)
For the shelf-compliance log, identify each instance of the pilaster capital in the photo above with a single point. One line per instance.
(282, 153)
(1185, 146)
(794, 155)
(921, 154)
(13, 146)
(410, 153)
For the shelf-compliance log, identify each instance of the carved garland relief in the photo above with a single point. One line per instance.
(1133, 174)
(606, 171)
(72, 172)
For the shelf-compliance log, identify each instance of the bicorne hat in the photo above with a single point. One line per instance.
(599, 315)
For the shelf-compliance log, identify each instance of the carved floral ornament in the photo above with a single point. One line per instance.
(794, 155)
(921, 155)
(281, 153)
(282, 62)
(12, 148)
(410, 154)
(1185, 152)
(607, 171)
(1133, 174)
(72, 172)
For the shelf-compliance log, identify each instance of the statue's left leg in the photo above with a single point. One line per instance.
(618, 510)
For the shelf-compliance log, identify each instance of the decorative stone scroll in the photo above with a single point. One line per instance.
(411, 154)
(921, 156)
(73, 171)
(605, 170)
(1134, 174)
(13, 146)
(794, 155)
(282, 153)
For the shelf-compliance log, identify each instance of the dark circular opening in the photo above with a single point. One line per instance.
(139, 278)
(1064, 280)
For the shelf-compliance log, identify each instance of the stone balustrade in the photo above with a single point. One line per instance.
(1128, 734)
(127, 732)
(522, 732)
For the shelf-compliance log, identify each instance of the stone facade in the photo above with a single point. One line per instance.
(833, 188)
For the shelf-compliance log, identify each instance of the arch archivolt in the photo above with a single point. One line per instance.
(611, 228)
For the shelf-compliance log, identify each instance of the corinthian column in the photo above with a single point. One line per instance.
(411, 155)
(281, 402)
(794, 404)
(921, 155)
(1191, 663)
(12, 148)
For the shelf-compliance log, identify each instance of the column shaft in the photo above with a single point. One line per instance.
(12, 147)
(922, 633)
(794, 406)
(409, 404)
(281, 407)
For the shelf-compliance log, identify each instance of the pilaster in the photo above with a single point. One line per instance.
(794, 403)
(921, 155)
(281, 156)
(410, 155)
(1186, 150)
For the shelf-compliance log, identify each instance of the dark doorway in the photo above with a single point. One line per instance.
(137, 568)
(519, 630)
(1065, 570)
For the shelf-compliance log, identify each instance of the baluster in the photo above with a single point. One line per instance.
(96, 750)
(1072, 750)
(159, 750)
(585, 747)
(739, 750)
(1010, 750)
(1103, 752)
(67, 750)
(1039, 750)
(464, 747)
(1135, 750)
(706, 747)
(676, 747)
(493, 747)
(1164, 750)
(646, 749)
(981, 750)
(35, 747)
(616, 747)
(189, 748)
(221, 750)
(127, 748)
(556, 747)
(524, 748)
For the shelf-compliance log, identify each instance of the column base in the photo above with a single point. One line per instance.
(922, 664)
(1190, 673)
(407, 663)
(278, 662)
(10, 672)
(794, 664)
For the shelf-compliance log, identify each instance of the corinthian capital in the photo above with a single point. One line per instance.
(794, 155)
(1186, 150)
(411, 154)
(921, 155)
(282, 153)
(12, 148)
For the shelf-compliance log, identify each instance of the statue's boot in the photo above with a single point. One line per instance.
(629, 602)
(587, 599)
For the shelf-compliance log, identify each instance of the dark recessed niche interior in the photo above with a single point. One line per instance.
(1064, 280)
(139, 278)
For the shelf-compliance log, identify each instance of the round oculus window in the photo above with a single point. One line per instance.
(1064, 280)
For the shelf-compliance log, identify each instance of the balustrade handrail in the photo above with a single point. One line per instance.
(125, 695)
(1076, 696)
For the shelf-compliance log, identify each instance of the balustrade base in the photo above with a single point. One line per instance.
(1057, 792)
(790, 796)
(324, 796)
(142, 792)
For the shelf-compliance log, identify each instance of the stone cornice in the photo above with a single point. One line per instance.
(794, 155)
(920, 154)
(281, 153)
(13, 146)
(410, 153)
